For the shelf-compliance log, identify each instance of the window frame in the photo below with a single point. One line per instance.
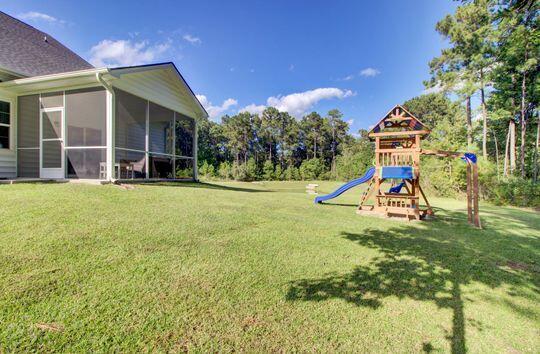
(10, 125)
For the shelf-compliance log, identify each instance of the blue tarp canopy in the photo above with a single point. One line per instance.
(399, 172)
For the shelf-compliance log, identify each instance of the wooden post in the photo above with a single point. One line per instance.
(377, 171)
(476, 193)
(429, 210)
(469, 194)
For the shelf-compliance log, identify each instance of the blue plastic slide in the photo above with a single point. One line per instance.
(369, 174)
(397, 189)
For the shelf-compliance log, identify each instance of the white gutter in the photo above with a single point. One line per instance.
(53, 77)
(110, 119)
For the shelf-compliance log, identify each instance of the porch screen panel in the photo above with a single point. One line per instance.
(86, 117)
(130, 125)
(52, 100)
(28, 121)
(28, 163)
(185, 132)
(184, 169)
(130, 164)
(160, 166)
(52, 125)
(52, 154)
(86, 163)
(161, 135)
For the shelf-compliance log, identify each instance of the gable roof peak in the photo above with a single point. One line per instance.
(399, 119)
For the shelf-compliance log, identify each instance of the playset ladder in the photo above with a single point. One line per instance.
(366, 193)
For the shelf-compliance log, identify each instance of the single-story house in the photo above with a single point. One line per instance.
(62, 118)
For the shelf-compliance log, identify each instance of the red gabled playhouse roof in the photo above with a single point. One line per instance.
(399, 119)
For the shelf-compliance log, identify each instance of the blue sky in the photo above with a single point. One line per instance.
(361, 57)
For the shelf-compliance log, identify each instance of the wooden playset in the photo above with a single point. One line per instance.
(398, 137)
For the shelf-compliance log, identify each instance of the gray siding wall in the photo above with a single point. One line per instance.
(8, 164)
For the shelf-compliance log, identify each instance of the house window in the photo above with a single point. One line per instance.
(5, 123)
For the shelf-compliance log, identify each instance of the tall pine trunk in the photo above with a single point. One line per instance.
(469, 122)
(496, 152)
(536, 167)
(512, 143)
(484, 115)
(523, 118)
(523, 124)
(333, 167)
(506, 153)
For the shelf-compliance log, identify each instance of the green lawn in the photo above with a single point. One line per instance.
(259, 267)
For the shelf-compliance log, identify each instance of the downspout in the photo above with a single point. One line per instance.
(110, 118)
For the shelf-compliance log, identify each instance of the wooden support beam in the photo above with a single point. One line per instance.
(441, 153)
(401, 133)
(429, 210)
(469, 194)
(476, 192)
(399, 151)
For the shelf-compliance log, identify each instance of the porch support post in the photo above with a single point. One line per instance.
(109, 122)
(195, 151)
(110, 135)
(147, 141)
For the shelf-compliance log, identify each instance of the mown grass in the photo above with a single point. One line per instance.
(258, 267)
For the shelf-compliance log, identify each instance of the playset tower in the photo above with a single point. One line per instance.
(398, 136)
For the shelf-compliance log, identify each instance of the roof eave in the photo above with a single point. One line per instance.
(119, 71)
(53, 77)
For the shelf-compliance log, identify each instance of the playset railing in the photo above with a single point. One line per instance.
(396, 159)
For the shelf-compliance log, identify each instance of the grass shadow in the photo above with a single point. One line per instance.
(338, 204)
(430, 262)
(204, 185)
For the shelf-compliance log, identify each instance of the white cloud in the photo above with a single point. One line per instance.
(434, 89)
(347, 78)
(350, 122)
(216, 112)
(125, 52)
(297, 104)
(192, 39)
(369, 72)
(39, 16)
(253, 109)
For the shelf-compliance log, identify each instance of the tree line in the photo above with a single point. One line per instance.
(274, 145)
(492, 59)
(493, 54)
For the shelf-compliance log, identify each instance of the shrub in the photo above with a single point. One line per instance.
(252, 170)
(311, 169)
(443, 177)
(515, 191)
(239, 172)
(354, 161)
(225, 170)
(278, 173)
(291, 173)
(268, 170)
(207, 170)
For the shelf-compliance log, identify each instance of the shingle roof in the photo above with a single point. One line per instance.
(30, 52)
